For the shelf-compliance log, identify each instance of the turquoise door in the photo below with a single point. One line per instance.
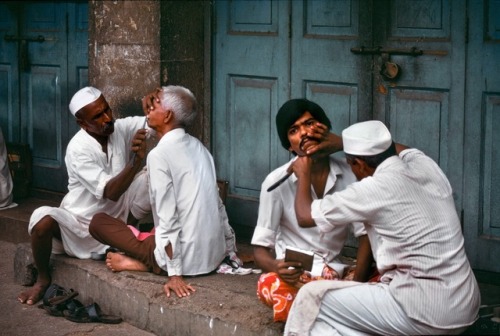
(482, 137)
(333, 52)
(43, 60)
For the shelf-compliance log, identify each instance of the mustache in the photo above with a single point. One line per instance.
(109, 124)
(306, 138)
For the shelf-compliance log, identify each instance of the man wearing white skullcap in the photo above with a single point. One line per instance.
(427, 286)
(103, 176)
(82, 98)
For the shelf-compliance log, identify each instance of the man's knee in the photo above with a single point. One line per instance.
(46, 226)
(97, 219)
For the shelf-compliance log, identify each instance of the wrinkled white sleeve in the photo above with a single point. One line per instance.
(358, 229)
(268, 221)
(341, 208)
(168, 227)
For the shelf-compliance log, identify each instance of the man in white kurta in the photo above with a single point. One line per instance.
(427, 285)
(184, 195)
(89, 169)
(277, 224)
(184, 200)
(103, 176)
(302, 125)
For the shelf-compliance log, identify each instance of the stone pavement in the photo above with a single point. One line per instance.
(21, 320)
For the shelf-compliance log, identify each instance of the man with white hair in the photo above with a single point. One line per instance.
(405, 200)
(103, 176)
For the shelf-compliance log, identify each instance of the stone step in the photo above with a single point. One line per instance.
(221, 305)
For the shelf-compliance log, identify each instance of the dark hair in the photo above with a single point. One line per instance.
(374, 160)
(293, 110)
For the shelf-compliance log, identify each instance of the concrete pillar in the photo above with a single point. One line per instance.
(124, 51)
(136, 46)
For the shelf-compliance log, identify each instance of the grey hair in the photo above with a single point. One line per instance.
(181, 101)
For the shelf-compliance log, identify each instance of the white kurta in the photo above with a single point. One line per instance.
(185, 205)
(89, 169)
(408, 206)
(277, 224)
(6, 185)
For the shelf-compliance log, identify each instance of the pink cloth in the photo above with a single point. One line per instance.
(141, 235)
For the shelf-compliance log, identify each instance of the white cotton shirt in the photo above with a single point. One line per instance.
(277, 224)
(89, 169)
(185, 205)
(408, 206)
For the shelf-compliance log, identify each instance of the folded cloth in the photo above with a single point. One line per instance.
(227, 269)
(11, 205)
(276, 293)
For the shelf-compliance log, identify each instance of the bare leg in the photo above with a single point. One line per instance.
(115, 233)
(118, 262)
(41, 246)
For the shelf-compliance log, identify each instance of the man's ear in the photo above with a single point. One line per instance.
(168, 116)
(81, 123)
(364, 168)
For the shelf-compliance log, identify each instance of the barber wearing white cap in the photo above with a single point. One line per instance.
(427, 286)
(103, 176)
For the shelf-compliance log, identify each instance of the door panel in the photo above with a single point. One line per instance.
(425, 105)
(48, 53)
(482, 140)
(322, 66)
(9, 74)
(418, 117)
(251, 79)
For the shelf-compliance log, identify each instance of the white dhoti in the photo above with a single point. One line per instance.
(338, 308)
(76, 239)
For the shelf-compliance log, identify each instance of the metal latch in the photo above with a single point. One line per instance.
(12, 38)
(413, 51)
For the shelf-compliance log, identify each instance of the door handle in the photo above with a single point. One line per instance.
(39, 38)
(413, 51)
(24, 62)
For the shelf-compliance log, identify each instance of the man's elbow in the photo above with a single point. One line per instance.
(113, 198)
(306, 222)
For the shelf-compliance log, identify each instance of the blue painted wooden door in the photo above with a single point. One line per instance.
(43, 61)
(266, 52)
(482, 137)
(443, 99)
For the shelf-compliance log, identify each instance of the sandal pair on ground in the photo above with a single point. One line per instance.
(58, 301)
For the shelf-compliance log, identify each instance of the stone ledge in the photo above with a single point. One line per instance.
(222, 304)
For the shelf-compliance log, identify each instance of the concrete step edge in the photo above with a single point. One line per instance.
(138, 298)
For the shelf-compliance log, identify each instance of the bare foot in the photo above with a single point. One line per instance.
(118, 262)
(34, 294)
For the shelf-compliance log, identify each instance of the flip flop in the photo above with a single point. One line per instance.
(91, 314)
(62, 309)
(57, 295)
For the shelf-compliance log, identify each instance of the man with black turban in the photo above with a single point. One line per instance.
(303, 129)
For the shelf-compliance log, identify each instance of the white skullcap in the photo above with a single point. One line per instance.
(82, 98)
(366, 138)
